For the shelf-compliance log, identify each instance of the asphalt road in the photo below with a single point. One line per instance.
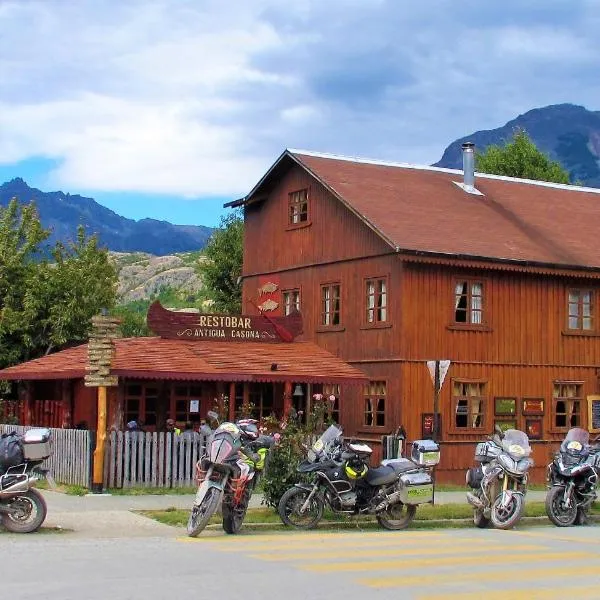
(528, 563)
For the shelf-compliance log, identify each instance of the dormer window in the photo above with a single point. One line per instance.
(298, 208)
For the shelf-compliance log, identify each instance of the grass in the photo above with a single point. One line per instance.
(147, 491)
(427, 515)
(70, 490)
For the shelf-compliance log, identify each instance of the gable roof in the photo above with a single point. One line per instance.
(420, 209)
(157, 358)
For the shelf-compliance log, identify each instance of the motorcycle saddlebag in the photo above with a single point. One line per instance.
(474, 477)
(417, 488)
(11, 451)
(36, 444)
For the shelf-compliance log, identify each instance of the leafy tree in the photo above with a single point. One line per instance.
(520, 158)
(47, 302)
(220, 273)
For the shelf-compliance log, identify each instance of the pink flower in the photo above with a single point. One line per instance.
(332, 399)
(317, 396)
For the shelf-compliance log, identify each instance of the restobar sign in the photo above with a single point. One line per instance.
(235, 328)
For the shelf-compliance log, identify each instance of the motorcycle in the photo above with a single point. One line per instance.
(22, 507)
(228, 474)
(343, 480)
(572, 479)
(499, 483)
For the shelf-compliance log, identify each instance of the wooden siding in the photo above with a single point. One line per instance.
(334, 233)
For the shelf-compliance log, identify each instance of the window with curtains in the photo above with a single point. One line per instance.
(291, 301)
(567, 398)
(581, 310)
(469, 404)
(298, 207)
(376, 300)
(374, 398)
(468, 302)
(330, 305)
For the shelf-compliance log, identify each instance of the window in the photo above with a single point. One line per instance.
(179, 408)
(261, 400)
(298, 207)
(581, 310)
(468, 302)
(333, 408)
(469, 403)
(291, 301)
(376, 300)
(330, 304)
(566, 405)
(375, 404)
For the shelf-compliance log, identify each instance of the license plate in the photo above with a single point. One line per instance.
(419, 491)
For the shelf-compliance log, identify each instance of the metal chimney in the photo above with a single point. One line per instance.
(468, 150)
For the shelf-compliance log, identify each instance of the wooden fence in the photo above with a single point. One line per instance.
(157, 460)
(71, 460)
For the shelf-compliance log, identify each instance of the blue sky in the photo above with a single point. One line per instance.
(168, 108)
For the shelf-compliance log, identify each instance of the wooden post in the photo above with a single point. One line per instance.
(98, 477)
(287, 399)
(232, 401)
(436, 402)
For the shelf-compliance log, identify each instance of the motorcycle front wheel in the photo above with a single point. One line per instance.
(558, 513)
(507, 517)
(397, 516)
(233, 516)
(291, 503)
(200, 514)
(29, 512)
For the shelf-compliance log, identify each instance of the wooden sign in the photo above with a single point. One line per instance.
(101, 351)
(222, 328)
(593, 414)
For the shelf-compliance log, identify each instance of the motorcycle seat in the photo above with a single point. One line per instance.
(400, 465)
(381, 475)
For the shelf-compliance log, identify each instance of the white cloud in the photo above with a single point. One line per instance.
(197, 97)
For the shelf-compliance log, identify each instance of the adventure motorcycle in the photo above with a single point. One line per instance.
(228, 473)
(343, 480)
(499, 483)
(572, 479)
(22, 507)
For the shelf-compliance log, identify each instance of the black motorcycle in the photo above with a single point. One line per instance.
(342, 480)
(22, 507)
(572, 479)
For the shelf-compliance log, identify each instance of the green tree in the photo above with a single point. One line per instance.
(223, 267)
(521, 158)
(46, 302)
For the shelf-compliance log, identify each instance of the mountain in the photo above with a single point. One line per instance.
(568, 133)
(62, 213)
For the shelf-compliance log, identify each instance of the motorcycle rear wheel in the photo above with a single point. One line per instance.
(397, 516)
(233, 516)
(200, 515)
(31, 512)
(558, 513)
(289, 509)
(507, 518)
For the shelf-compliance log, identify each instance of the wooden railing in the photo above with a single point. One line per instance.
(71, 459)
(157, 460)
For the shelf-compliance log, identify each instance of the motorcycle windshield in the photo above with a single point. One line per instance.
(331, 434)
(575, 441)
(516, 443)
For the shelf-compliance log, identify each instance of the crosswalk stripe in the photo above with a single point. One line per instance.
(408, 563)
(534, 593)
(410, 550)
(486, 576)
(558, 537)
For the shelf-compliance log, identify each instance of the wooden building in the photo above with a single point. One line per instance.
(394, 265)
(197, 363)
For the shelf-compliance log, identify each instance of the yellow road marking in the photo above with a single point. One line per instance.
(579, 592)
(407, 563)
(457, 576)
(557, 537)
(451, 548)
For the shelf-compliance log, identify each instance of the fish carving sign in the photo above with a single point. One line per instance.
(216, 327)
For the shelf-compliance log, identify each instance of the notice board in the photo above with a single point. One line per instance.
(593, 413)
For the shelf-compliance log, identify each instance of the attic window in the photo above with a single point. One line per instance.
(468, 302)
(298, 207)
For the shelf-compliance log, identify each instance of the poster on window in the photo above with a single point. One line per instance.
(194, 406)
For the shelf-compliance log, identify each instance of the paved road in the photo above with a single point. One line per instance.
(536, 563)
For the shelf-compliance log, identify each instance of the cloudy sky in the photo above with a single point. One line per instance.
(167, 108)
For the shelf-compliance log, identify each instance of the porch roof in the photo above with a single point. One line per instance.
(157, 358)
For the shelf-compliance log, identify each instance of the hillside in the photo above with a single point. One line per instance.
(62, 213)
(570, 134)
